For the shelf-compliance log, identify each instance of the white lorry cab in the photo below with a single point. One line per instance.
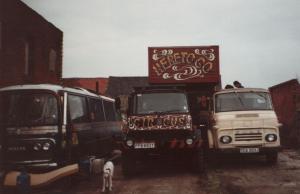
(244, 122)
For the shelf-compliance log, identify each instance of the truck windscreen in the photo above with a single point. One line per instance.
(151, 103)
(24, 109)
(242, 101)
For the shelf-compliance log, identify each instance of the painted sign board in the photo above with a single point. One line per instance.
(196, 64)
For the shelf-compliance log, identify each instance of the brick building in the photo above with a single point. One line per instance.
(30, 46)
(98, 84)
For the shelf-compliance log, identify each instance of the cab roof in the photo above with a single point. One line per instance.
(53, 88)
(242, 90)
(163, 88)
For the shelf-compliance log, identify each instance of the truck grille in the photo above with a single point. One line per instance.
(248, 136)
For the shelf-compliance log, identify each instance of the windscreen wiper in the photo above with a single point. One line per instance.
(154, 112)
(259, 94)
(174, 111)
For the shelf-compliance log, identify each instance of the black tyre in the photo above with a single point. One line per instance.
(128, 165)
(272, 158)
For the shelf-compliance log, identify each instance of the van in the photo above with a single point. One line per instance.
(47, 126)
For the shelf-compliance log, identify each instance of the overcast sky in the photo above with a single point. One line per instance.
(259, 39)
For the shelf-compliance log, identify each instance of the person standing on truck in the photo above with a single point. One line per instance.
(237, 84)
(228, 86)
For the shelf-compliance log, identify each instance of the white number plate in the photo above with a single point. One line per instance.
(249, 150)
(144, 145)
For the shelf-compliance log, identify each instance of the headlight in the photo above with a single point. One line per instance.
(46, 146)
(129, 143)
(225, 139)
(189, 141)
(271, 137)
(37, 147)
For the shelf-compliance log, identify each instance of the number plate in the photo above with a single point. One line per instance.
(144, 145)
(249, 150)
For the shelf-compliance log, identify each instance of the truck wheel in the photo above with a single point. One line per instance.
(272, 158)
(199, 161)
(128, 165)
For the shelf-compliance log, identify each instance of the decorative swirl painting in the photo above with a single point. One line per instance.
(184, 64)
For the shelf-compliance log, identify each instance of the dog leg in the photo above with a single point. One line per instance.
(103, 185)
(110, 183)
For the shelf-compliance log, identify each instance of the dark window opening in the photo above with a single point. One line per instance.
(110, 112)
(96, 109)
(149, 103)
(78, 109)
(24, 109)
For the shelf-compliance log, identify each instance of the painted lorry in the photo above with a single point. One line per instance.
(244, 122)
(171, 116)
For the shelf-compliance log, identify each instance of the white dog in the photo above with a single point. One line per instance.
(108, 172)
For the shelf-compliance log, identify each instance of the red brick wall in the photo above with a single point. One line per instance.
(87, 83)
(21, 26)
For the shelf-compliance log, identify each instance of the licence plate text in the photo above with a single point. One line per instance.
(144, 145)
(249, 150)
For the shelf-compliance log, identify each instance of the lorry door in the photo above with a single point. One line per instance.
(99, 125)
(112, 126)
(81, 130)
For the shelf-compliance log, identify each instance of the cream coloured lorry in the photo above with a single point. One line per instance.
(244, 122)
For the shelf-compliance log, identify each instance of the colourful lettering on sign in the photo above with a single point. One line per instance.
(159, 122)
(183, 64)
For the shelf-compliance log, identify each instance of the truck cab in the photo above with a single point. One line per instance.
(244, 122)
(159, 122)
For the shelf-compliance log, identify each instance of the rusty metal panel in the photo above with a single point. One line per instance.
(286, 101)
(197, 64)
(285, 98)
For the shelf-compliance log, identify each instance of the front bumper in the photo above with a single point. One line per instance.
(173, 144)
(163, 139)
(262, 150)
(31, 165)
(41, 179)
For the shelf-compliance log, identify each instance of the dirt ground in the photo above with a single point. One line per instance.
(225, 175)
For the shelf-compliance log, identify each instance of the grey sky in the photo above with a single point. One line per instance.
(259, 39)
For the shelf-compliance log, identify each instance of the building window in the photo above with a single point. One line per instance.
(52, 60)
(26, 58)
